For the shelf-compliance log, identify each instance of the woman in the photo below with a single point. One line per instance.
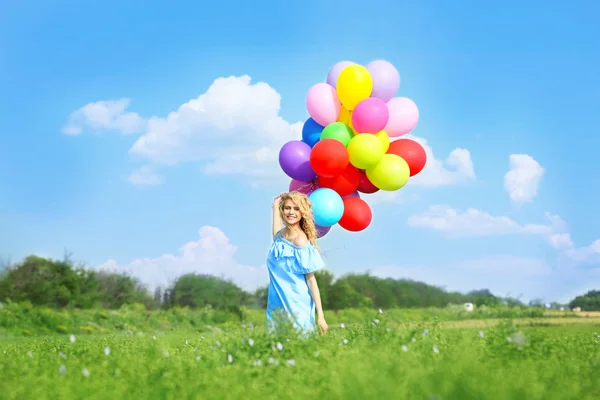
(293, 258)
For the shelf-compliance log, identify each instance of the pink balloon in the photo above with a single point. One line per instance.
(370, 116)
(323, 104)
(404, 116)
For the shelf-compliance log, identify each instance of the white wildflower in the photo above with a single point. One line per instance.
(404, 348)
(342, 325)
(257, 363)
(251, 342)
(291, 362)
(279, 346)
(230, 358)
(62, 355)
(380, 311)
(435, 350)
(72, 338)
(85, 372)
(345, 341)
(107, 351)
(62, 369)
(30, 354)
(166, 354)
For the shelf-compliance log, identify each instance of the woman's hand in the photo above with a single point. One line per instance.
(322, 325)
(277, 201)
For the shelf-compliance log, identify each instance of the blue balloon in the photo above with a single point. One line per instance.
(327, 206)
(311, 132)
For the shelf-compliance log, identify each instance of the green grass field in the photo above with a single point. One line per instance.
(383, 359)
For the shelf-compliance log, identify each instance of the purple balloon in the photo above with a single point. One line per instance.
(294, 159)
(335, 71)
(386, 79)
(353, 194)
(322, 230)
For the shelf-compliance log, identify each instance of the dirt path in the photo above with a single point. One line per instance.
(579, 314)
(484, 323)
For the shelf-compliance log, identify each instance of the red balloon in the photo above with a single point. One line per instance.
(357, 214)
(329, 158)
(412, 152)
(345, 183)
(365, 185)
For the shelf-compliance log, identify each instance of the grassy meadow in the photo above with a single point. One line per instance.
(368, 354)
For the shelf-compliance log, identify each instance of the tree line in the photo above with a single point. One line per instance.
(60, 283)
(588, 302)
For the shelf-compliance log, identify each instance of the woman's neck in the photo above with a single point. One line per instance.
(294, 228)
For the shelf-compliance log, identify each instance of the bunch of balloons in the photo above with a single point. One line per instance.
(346, 148)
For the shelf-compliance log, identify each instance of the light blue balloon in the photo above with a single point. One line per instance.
(327, 205)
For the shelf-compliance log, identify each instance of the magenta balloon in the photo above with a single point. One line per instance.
(386, 79)
(322, 230)
(303, 187)
(294, 159)
(370, 116)
(335, 71)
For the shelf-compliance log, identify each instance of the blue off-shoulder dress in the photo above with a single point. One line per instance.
(288, 292)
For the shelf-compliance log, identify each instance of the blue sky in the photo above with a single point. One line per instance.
(492, 80)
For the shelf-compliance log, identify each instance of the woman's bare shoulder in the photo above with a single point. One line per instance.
(301, 240)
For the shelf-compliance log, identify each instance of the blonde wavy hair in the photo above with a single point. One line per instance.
(307, 222)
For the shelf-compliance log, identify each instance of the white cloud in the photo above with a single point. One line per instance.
(584, 255)
(523, 178)
(212, 254)
(104, 115)
(473, 222)
(233, 128)
(145, 176)
(437, 173)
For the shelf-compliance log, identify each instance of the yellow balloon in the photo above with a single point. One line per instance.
(365, 150)
(354, 84)
(385, 139)
(390, 174)
(344, 116)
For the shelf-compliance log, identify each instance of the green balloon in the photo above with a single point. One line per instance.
(338, 131)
